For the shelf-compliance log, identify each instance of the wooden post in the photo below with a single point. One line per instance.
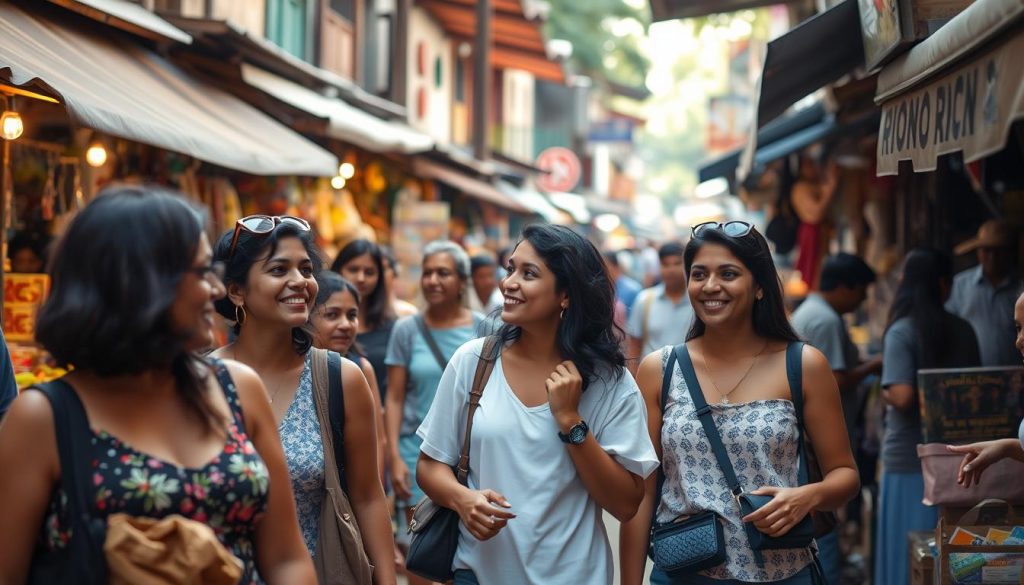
(482, 81)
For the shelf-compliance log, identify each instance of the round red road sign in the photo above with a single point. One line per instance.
(561, 168)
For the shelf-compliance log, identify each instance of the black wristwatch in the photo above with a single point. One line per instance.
(576, 435)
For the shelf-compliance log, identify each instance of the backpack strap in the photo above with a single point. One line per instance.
(484, 367)
(795, 374)
(74, 447)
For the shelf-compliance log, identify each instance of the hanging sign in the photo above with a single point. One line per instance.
(969, 109)
(562, 169)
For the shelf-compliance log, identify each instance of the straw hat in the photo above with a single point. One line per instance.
(994, 233)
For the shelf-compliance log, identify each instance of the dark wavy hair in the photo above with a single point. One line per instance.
(587, 333)
(253, 248)
(769, 313)
(919, 297)
(115, 276)
(378, 302)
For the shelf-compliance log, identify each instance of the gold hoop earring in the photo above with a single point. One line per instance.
(240, 319)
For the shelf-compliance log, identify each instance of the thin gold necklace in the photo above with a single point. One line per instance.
(725, 395)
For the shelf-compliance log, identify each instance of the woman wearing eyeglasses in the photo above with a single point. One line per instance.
(172, 434)
(737, 345)
(270, 264)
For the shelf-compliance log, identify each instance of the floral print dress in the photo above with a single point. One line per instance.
(229, 493)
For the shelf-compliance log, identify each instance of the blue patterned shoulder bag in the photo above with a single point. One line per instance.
(683, 547)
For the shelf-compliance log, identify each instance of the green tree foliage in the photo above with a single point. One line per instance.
(606, 37)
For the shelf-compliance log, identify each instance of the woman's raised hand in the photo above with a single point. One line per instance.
(565, 386)
(977, 458)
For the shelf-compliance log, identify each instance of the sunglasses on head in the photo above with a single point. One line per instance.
(262, 225)
(733, 229)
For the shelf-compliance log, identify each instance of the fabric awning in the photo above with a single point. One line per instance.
(127, 16)
(471, 186)
(344, 122)
(122, 89)
(968, 108)
(818, 51)
(672, 9)
(575, 205)
(534, 201)
(777, 130)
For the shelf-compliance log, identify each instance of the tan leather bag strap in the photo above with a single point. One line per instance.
(488, 355)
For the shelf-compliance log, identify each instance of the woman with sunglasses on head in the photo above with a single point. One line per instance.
(738, 344)
(921, 334)
(362, 263)
(269, 267)
(335, 320)
(171, 433)
(555, 439)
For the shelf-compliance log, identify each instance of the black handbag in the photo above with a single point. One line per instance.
(435, 529)
(801, 535)
(681, 548)
(81, 561)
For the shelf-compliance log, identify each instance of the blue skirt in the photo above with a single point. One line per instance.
(900, 511)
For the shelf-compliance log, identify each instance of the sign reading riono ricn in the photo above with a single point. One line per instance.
(969, 109)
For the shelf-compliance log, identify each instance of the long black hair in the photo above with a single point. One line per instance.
(587, 334)
(250, 249)
(115, 277)
(378, 302)
(919, 297)
(769, 313)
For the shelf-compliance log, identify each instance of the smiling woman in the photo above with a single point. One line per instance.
(418, 352)
(740, 343)
(132, 303)
(271, 290)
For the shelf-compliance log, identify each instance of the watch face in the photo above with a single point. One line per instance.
(578, 434)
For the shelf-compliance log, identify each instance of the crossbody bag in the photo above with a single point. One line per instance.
(435, 529)
(801, 535)
(683, 547)
(435, 350)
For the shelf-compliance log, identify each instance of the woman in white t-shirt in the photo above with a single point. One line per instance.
(559, 433)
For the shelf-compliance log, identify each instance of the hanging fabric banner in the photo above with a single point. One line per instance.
(968, 109)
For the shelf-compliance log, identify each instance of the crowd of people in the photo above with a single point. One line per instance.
(302, 463)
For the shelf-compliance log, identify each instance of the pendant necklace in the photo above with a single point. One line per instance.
(725, 395)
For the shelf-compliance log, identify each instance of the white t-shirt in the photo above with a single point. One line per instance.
(558, 535)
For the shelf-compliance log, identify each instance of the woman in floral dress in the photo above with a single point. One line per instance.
(172, 433)
(270, 263)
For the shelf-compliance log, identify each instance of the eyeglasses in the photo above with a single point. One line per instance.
(733, 229)
(262, 225)
(214, 273)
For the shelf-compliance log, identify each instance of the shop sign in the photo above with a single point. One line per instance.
(880, 28)
(969, 109)
(23, 295)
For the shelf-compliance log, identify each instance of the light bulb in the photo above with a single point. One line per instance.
(347, 170)
(338, 182)
(12, 125)
(96, 156)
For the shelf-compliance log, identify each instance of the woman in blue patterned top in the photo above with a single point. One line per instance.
(172, 433)
(738, 343)
(270, 264)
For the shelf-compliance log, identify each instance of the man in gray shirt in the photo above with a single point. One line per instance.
(984, 295)
(818, 320)
(661, 314)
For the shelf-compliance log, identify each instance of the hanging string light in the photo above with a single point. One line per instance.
(11, 124)
(96, 155)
